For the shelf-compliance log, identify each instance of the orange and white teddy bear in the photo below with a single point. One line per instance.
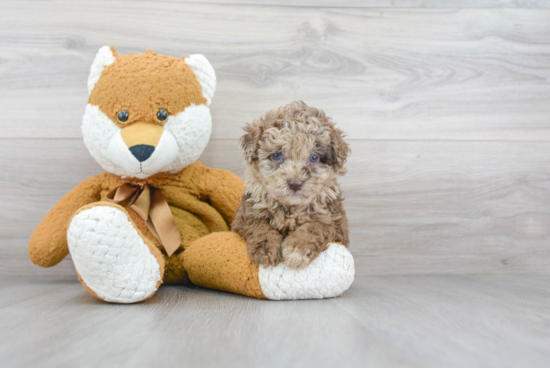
(157, 215)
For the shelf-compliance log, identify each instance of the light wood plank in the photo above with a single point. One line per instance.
(380, 322)
(414, 207)
(516, 4)
(478, 316)
(466, 74)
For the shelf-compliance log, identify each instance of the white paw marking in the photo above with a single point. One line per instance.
(328, 276)
(111, 257)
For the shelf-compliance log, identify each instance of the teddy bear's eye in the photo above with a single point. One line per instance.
(313, 159)
(162, 115)
(277, 156)
(122, 116)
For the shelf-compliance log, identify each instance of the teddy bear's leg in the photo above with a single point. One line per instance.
(220, 261)
(115, 263)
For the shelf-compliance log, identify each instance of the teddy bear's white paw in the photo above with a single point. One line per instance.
(328, 276)
(111, 257)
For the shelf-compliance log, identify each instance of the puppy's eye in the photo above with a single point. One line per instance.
(122, 116)
(313, 159)
(277, 156)
(162, 115)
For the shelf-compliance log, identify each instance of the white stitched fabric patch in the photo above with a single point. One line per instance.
(111, 257)
(328, 276)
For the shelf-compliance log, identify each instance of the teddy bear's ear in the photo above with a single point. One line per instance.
(205, 75)
(105, 56)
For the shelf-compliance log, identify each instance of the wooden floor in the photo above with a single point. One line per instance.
(382, 321)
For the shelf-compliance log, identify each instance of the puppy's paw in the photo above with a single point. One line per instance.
(294, 258)
(299, 253)
(265, 254)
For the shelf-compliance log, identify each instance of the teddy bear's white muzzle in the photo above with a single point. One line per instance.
(142, 161)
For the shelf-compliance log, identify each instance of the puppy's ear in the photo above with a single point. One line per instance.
(249, 142)
(338, 151)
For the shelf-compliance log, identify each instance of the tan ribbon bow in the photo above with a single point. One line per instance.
(149, 203)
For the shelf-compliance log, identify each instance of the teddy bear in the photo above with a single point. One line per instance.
(157, 215)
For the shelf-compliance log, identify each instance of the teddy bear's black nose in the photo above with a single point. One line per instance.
(142, 151)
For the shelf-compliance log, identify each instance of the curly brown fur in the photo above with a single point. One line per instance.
(292, 206)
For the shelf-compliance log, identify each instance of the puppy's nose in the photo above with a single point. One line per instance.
(142, 151)
(295, 185)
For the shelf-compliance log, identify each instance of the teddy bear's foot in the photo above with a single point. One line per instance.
(220, 261)
(112, 259)
(328, 276)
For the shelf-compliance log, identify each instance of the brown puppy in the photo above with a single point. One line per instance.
(292, 207)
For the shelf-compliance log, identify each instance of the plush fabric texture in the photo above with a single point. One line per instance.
(205, 75)
(163, 154)
(103, 58)
(220, 261)
(141, 85)
(328, 276)
(111, 256)
(189, 130)
(164, 82)
(202, 200)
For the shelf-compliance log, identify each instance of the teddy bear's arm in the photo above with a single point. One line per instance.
(224, 191)
(48, 243)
